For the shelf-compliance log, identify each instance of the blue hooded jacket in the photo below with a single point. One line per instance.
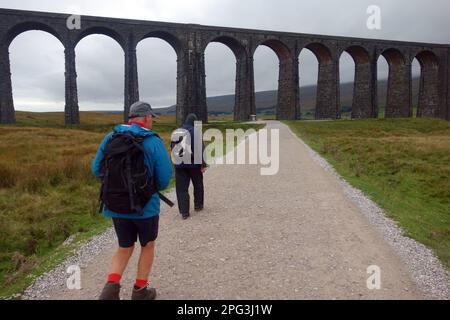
(156, 159)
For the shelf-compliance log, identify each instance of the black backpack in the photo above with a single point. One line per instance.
(127, 185)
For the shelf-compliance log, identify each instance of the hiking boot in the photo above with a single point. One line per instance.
(198, 208)
(185, 216)
(110, 291)
(144, 293)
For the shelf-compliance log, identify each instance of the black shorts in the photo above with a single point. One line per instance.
(128, 230)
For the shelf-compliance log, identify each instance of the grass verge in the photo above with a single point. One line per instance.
(402, 164)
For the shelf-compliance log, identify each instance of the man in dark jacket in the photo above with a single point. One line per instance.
(185, 172)
(131, 227)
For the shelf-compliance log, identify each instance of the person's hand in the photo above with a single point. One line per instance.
(203, 169)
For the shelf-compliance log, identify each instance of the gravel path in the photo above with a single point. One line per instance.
(301, 234)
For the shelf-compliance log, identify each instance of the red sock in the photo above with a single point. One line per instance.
(141, 283)
(114, 277)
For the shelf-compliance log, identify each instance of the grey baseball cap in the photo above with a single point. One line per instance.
(141, 109)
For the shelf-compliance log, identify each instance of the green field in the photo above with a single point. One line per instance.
(402, 164)
(47, 191)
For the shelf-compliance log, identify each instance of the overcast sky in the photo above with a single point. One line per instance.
(37, 59)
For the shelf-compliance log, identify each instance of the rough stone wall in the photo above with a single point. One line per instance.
(244, 104)
(444, 84)
(399, 91)
(7, 114)
(288, 90)
(131, 84)
(327, 103)
(428, 92)
(71, 108)
(362, 92)
(445, 113)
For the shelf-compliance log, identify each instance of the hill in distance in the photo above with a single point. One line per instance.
(267, 100)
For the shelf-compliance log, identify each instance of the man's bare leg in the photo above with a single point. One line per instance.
(119, 263)
(141, 291)
(146, 261)
(120, 259)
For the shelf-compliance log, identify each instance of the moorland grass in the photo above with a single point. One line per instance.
(402, 164)
(47, 190)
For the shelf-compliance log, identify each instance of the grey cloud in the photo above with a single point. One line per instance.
(157, 69)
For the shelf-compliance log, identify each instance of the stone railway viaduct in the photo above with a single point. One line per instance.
(189, 42)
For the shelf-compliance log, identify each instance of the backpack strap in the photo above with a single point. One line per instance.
(161, 196)
(165, 199)
(129, 179)
(104, 186)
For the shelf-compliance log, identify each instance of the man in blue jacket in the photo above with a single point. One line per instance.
(130, 227)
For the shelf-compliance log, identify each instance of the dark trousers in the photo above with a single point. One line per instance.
(183, 177)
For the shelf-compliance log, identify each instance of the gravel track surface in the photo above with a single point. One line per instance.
(303, 233)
